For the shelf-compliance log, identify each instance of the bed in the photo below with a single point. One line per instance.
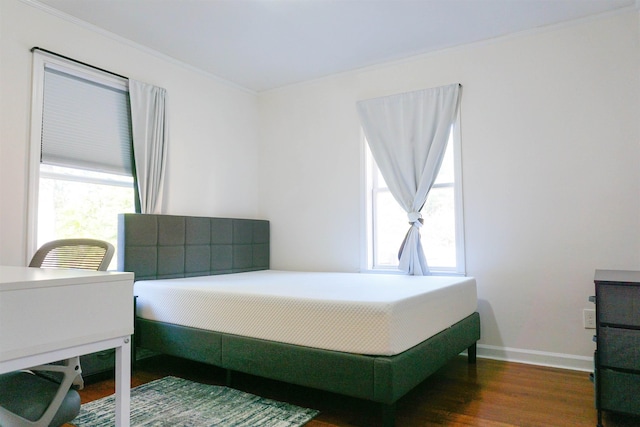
(373, 345)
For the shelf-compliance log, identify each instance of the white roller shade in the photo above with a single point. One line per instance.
(85, 124)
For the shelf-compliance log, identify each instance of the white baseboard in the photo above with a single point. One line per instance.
(533, 357)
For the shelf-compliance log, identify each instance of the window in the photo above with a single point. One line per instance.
(81, 165)
(442, 232)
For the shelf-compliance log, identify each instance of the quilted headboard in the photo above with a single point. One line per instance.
(170, 246)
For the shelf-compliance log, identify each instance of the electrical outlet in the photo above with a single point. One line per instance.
(589, 318)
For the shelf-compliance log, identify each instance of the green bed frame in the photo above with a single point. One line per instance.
(167, 246)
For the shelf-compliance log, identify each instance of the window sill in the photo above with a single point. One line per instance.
(398, 272)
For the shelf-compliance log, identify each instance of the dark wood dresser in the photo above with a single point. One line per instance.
(617, 356)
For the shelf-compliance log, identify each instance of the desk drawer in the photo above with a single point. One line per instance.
(619, 304)
(619, 391)
(619, 348)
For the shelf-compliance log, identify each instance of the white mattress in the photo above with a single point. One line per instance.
(374, 314)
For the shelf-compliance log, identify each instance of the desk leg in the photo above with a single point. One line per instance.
(123, 383)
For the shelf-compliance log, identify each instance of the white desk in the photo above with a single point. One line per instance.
(48, 315)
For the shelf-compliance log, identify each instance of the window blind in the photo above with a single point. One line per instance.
(85, 124)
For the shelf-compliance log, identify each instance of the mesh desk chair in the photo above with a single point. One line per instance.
(33, 399)
(83, 254)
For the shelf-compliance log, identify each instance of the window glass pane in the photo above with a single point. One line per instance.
(74, 209)
(438, 234)
(390, 227)
(380, 179)
(446, 173)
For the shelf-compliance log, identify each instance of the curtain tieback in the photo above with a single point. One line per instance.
(415, 219)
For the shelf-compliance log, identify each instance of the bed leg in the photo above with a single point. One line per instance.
(228, 378)
(472, 352)
(388, 414)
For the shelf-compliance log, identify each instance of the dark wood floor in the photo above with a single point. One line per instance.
(490, 393)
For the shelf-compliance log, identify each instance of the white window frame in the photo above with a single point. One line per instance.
(368, 214)
(40, 61)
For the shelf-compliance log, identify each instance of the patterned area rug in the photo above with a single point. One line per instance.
(177, 402)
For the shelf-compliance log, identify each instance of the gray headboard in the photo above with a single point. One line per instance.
(170, 246)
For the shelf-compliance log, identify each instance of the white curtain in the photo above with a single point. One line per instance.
(150, 139)
(408, 135)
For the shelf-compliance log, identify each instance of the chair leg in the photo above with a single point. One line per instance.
(228, 379)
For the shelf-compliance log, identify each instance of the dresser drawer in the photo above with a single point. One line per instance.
(619, 348)
(619, 391)
(619, 304)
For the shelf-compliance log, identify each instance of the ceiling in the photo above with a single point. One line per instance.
(266, 44)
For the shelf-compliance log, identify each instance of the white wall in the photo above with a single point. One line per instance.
(213, 125)
(551, 152)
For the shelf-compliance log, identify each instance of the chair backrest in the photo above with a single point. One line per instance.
(83, 254)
